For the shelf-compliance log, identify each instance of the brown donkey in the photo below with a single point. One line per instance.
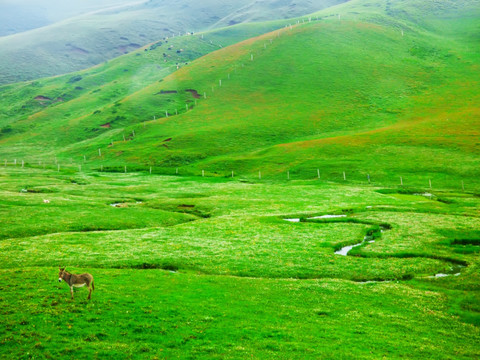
(77, 281)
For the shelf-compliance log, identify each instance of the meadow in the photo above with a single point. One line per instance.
(207, 182)
(192, 267)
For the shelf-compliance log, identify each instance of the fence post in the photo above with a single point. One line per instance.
(318, 173)
(344, 176)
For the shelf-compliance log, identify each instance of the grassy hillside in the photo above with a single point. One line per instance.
(352, 95)
(82, 41)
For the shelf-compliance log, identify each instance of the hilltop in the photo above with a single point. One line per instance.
(85, 38)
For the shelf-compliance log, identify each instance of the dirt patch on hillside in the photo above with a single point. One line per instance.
(194, 93)
(42, 98)
(106, 126)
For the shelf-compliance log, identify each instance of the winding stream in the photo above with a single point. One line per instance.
(455, 269)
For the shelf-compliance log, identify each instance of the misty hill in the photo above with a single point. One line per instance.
(82, 41)
(23, 15)
(371, 88)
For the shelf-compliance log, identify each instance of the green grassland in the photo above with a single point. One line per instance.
(209, 268)
(335, 113)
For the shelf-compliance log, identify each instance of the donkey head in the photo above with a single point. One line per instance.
(61, 274)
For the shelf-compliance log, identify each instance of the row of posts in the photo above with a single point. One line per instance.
(203, 172)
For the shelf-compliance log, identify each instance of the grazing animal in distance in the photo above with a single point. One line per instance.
(77, 281)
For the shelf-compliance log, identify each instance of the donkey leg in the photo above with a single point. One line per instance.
(71, 291)
(90, 293)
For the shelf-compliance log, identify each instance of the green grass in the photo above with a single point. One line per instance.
(209, 268)
(323, 95)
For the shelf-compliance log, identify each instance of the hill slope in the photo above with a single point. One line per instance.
(83, 41)
(349, 95)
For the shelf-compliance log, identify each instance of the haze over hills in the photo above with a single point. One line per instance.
(78, 42)
(23, 15)
(387, 88)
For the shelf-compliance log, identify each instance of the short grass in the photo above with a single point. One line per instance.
(209, 268)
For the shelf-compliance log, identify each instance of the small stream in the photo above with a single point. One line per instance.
(455, 269)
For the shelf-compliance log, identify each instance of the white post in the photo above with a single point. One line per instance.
(58, 167)
(176, 111)
(232, 173)
(133, 132)
(259, 174)
(220, 82)
(401, 181)
(99, 152)
(125, 169)
(344, 176)
(228, 76)
(124, 137)
(23, 164)
(150, 169)
(318, 173)
(288, 174)
(368, 177)
(186, 106)
(203, 173)
(15, 162)
(166, 113)
(154, 118)
(204, 95)
(430, 183)
(402, 32)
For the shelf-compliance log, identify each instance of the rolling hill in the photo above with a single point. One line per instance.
(78, 42)
(376, 88)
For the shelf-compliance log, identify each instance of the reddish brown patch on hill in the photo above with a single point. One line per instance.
(194, 93)
(42, 98)
(106, 126)
(166, 140)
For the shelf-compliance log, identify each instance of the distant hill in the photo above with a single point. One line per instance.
(22, 15)
(60, 44)
(363, 88)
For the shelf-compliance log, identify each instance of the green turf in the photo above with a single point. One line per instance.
(209, 268)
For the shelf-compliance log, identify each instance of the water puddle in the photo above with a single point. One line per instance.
(318, 217)
(455, 270)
